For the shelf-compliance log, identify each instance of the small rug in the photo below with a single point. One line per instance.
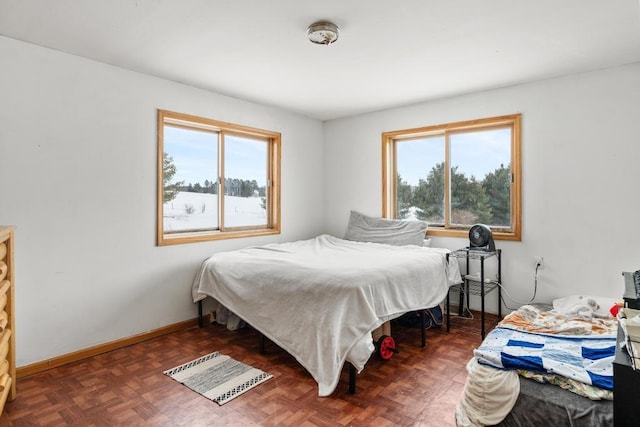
(218, 377)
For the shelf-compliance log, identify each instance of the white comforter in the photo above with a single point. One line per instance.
(319, 299)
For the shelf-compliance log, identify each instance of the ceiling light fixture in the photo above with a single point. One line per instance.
(323, 32)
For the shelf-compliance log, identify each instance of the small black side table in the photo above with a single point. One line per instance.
(476, 284)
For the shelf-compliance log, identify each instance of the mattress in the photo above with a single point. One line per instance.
(549, 405)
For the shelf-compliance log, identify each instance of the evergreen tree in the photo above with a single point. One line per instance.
(254, 188)
(497, 187)
(169, 170)
(428, 196)
(246, 189)
(469, 203)
(404, 198)
(232, 187)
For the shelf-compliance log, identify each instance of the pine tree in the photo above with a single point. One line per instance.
(428, 196)
(469, 203)
(404, 198)
(497, 187)
(169, 170)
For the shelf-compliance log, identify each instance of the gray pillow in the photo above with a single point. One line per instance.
(363, 228)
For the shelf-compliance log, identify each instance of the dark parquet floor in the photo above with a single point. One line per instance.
(126, 387)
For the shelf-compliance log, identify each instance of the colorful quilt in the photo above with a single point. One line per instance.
(530, 319)
(585, 359)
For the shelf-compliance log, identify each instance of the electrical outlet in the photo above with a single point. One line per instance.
(539, 264)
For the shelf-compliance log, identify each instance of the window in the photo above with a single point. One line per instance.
(215, 180)
(455, 175)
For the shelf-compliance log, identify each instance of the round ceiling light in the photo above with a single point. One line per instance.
(323, 32)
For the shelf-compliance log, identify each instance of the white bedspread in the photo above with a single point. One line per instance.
(319, 299)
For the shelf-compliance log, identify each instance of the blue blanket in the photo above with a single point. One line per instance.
(587, 360)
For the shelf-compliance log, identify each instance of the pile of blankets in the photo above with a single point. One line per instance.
(578, 348)
(574, 350)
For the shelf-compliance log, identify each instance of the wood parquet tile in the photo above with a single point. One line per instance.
(127, 387)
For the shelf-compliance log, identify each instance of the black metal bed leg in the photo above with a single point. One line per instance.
(499, 284)
(263, 349)
(352, 379)
(200, 319)
(422, 328)
(448, 314)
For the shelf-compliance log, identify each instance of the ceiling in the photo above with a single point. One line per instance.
(389, 54)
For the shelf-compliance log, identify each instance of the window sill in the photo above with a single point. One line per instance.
(497, 235)
(178, 239)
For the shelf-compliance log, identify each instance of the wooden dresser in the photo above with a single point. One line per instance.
(7, 325)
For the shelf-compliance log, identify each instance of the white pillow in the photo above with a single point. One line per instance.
(363, 228)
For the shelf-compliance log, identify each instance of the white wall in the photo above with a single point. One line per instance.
(78, 178)
(580, 155)
(77, 172)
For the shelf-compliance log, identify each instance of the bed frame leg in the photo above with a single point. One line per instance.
(200, 319)
(449, 314)
(352, 379)
(422, 328)
(263, 349)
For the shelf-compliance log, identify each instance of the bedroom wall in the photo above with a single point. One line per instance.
(78, 174)
(580, 178)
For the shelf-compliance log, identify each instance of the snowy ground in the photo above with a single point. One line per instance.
(189, 211)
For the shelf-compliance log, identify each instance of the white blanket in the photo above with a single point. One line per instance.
(488, 397)
(319, 299)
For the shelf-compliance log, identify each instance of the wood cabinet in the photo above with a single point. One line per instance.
(7, 322)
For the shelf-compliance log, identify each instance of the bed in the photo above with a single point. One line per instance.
(320, 299)
(541, 367)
